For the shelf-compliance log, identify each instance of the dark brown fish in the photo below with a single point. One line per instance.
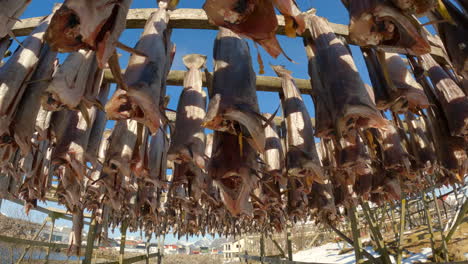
(301, 156)
(256, 19)
(140, 99)
(16, 72)
(24, 123)
(453, 100)
(375, 22)
(10, 13)
(352, 105)
(188, 141)
(88, 24)
(233, 169)
(234, 106)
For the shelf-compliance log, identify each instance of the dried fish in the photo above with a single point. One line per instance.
(453, 100)
(416, 6)
(70, 82)
(376, 22)
(23, 126)
(16, 72)
(234, 107)
(188, 141)
(301, 156)
(10, 13)
(274, 155)
(4, 45)
(352, 105)
(144, 76)
(94, 25)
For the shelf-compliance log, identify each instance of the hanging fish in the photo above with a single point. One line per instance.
(188, 141)
(16, 72)
(352, 105)
(376, 22)
(139, 97)
(88, 24)
(256, 19)
(10, 13)
(453, 100)
(416, 7)
(274, 155)
(234, 106)
(23, 126)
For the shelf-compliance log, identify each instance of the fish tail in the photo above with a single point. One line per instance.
(194, 61)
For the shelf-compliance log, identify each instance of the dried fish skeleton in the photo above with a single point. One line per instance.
(256, 19)
(234, 106)
(301, 156)
(352, 106)
(140, 96)
(16, 72)
(453, 100)
(188, 141)
(376, 22)
(88, 24)
(10, 13)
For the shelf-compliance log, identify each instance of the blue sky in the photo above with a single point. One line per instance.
(201, 41)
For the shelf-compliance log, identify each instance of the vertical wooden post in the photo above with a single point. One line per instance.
(402, 230)
(123, 238)
(429, 225)
(394, 224)
(458, 221)
(374, 227)
(25, 251)
(262, 247)
(441, 226)
(148, 244)
(52, 226)
(289, 243)
(90, 240)
(352, 214)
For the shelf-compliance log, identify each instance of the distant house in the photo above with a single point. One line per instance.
(171, 249)
(231, 250)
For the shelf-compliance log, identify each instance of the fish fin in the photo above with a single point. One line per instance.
(260, 60)
(289, 27)
(10, 33)
(269, 121)
(194, 61)
(281, 71)
(114, 66)
(442, 9)
(241, 144)
(131, 50)
(85, 114)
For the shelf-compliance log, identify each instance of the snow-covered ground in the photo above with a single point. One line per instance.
(329, 253)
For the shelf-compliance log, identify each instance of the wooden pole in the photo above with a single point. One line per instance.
(289, 243)
(353, 219)
(123, 238)
(429, 225)
(441, 226)
(458, 221)
(52, 226)
(402, 230)
(90, 240)
(25, 251)
(148, 244)
(262, 247)
(277, 245)
(376, 233)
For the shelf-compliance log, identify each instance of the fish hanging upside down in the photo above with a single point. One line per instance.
(88, 24)
(9, 14)
(188, 141)
(375, 22)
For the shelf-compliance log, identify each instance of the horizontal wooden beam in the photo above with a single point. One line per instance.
(275, 260)
(132, 259)
(35, 243)
(196, 19)
(264, 83)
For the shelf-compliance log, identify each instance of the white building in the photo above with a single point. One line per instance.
(233, 249)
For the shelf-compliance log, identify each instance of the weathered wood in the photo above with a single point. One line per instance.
(123, 238)
(26, 249)
(289, 243)
(264, 83)
(458, 221)
(90, 241)
(34, 243)
(402, 230)
(376, 233)
(132, 259)
(429, 225)
(275, 260)
(277, 245)
(52, 226)
(353, 220)
(197, 19)
(262, 247)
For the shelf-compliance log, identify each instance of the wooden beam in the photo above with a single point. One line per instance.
(264, 83)
(273, 260)
(33, 243)
(132, 259)
(196, 19)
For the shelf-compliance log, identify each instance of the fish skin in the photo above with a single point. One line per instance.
(188, 141)
(375, 22)
(416, 6)
(16, 72)
(352, 107)
(24, 123)
(301, 155)
(70, 82)
(235, 99)
(274, 154)
(11, 10)
(4, 46)
(453, 100)
(144, 77)
(88, 24)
